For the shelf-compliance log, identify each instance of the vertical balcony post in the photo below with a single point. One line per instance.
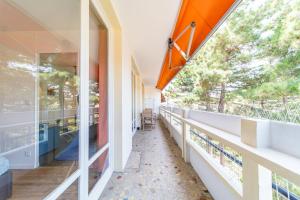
(185, 137)
(170, 121)
(257, 180)
(162, 114)
(208, 146)
(159, 112)
(165, 118)
(222, 158)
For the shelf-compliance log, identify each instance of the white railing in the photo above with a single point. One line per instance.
(235, 156)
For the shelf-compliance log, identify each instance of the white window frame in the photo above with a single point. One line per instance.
(81, 174)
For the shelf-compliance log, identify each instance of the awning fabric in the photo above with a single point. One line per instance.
(206, 14)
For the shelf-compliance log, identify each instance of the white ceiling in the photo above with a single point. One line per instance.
(51, 14)
(148, 24)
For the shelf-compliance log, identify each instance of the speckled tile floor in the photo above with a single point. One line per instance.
(155, 171)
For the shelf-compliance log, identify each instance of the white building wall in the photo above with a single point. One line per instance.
(126, 102)
(139, 101)
(152, 98)
(122, 134)
(138, 92)
(123, 92)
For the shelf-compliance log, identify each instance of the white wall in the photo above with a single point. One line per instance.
(129, 66)
(285, 137)
(139, 101)
(152, 98)
(120, 54)
(225, 122)
(138, 92)
(216, 185)
(122, 61)
(126, 102)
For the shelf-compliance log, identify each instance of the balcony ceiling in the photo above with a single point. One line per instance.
(148, 25)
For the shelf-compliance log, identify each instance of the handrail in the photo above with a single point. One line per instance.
(276, 161)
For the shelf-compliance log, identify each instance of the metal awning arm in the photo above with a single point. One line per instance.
(172, 43)
(170, 46)
(193, 27)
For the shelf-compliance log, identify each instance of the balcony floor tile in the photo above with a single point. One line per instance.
(155, 170)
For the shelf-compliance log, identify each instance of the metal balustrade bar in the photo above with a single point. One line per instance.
(284, 192)
(225, 153)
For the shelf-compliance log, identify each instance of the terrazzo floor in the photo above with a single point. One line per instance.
(155, 171)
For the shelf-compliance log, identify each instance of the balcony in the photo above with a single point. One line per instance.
(229, 156)
(75, 76)
(237, 157)
(156, 170)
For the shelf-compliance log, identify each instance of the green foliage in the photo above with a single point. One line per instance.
(184, 81)
(253, 59)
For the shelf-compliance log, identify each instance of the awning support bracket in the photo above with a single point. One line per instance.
(172, 43)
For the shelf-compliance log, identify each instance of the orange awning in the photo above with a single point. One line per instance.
(206, 14)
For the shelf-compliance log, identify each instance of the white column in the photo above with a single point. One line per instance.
(185, 136)
(170, 121)
(222, 158)
(257, 180)
(208, 146)
(164, 115)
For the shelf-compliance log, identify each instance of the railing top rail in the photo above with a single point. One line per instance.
(278, 162)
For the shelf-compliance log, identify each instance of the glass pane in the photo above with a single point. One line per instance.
(58, 102)
(39, 64)
(97, 169)
(98, 136)
(71, 193)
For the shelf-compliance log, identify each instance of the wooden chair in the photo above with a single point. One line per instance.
(148, 118)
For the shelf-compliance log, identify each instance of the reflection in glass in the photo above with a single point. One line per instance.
(39, 64)
(97, 169)
(98, 129)
(58, 102)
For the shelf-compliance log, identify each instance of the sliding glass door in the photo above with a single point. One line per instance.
(39, 61)
(41, 133)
